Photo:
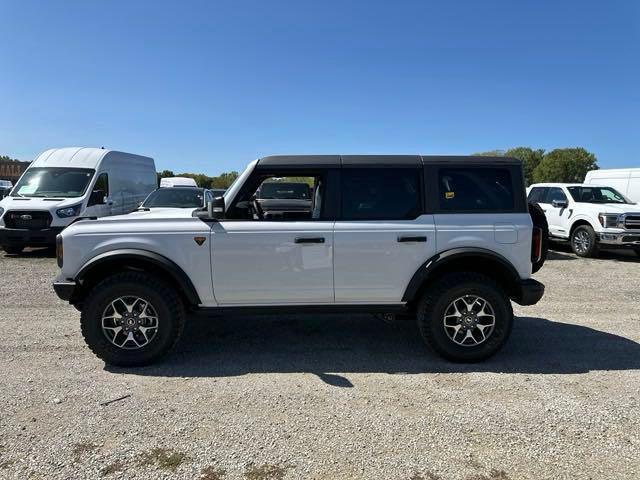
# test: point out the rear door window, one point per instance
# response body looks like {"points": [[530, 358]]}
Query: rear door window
{"points": [[381, 193], [464, 189], [536, 195]]}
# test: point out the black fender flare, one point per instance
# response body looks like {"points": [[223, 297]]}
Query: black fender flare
{"points": [[441, 259], [159, 261]]}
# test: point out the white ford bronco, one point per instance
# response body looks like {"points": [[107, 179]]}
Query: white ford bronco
{"points": [[447, 239], [590, 217]]}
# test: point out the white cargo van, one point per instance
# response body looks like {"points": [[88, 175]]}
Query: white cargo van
{"points": [[63, 184], [624, 180], [177, 182]]}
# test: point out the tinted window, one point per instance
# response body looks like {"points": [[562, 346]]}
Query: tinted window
{"points": [[536, 194], [380, 193], [179, 197], [555, 193], [475, 189], [102, 183]]}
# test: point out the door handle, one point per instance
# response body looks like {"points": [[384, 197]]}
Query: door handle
{"points": [[412, 239], [309, 240]]}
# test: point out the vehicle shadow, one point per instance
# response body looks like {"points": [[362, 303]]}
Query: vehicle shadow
{"points": [[32, 253], [559, 251], [231, 346]]}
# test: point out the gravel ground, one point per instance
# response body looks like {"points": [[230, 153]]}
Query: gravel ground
{"points": [[340, 397]]}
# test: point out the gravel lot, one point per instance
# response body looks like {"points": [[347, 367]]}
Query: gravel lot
{"points": [[341, 397]]}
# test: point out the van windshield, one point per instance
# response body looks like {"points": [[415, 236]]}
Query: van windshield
{"points": [[53, 182]]}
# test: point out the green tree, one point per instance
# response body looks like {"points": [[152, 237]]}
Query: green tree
{"points": [[530, 160], [565, 165]]}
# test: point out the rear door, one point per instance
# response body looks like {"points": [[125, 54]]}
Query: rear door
{"points": [[383, 234]]}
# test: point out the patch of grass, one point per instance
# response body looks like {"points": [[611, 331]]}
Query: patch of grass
{"points": [[266, 472], [82, 448], [113, 467], [164, 458], [211, 473]]}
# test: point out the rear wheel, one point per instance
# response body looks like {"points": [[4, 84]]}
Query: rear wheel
{"points": [[465, 317], [13, 249], [584, 241], [131, 319]]}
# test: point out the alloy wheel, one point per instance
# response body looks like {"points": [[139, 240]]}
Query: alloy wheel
{"points": [[130, 322], [469, 320]]}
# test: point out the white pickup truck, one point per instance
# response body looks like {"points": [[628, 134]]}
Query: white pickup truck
{"points": [[590, 217]]}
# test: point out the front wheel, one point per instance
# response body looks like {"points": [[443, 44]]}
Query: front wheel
{"points": [[131, 319], [584, 241], [465, 317]]}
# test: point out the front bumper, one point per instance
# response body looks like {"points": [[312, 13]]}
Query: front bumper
{"points": [[619, 240], [529, 292], [29, 238]]}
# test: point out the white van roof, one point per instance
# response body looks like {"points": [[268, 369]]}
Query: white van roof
{"points": [[178, 182], [77, 157]]}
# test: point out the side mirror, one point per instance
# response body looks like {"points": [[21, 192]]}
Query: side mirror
{"points": [[97, 197], [215, 208], [560, 203]]}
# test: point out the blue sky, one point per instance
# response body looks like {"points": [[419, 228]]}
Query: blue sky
{"points": [[208, 86]]}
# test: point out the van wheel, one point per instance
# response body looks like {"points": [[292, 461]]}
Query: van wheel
{"points": [[13, 249], [131, 319], [465, 317], [584, 241]]}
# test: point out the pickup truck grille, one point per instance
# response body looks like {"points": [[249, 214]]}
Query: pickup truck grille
{"points": [[35, 220], [632, 222]]}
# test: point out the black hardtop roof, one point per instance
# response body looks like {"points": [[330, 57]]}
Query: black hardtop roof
{"points": [[380, 160]]}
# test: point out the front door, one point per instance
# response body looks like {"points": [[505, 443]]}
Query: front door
{"points": [[265, 259], [557, 217], [383, 236], [100, 203]]}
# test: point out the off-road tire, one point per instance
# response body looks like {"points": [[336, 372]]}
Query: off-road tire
{"points": [[164, 299], [437, 298], [592, 250], [539, 220], [13, 249]]}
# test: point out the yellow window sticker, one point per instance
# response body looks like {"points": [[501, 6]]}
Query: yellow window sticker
{"points": [[449, 195]]}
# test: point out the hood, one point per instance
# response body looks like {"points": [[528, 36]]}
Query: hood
{"points": [[37, 203]]}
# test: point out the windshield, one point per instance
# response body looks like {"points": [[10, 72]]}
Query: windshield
{"points": [[596, 195], [299, 191], [179, 197], [53, 182]]}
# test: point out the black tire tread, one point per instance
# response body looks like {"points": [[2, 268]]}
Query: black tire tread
{"points": [[173, 303], [429, 299]]}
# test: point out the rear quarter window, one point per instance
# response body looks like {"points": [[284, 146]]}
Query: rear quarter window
{"points": [[466, 189]]}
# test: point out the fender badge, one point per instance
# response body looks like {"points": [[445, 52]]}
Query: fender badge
{"points": [[200, 240]]}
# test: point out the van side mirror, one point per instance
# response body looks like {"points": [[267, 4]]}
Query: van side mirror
{"points": [[559, 203], [97, 197]]}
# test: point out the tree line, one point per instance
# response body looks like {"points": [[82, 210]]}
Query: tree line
{"points": [[565, 165]]}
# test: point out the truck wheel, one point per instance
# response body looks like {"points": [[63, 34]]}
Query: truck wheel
{"points": [[13, 249], [584, 241], [465, 317], [131, 319], [539, 220]]}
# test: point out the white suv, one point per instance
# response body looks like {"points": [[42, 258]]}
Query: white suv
{"points": [[589, 216], [449, 239]]}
